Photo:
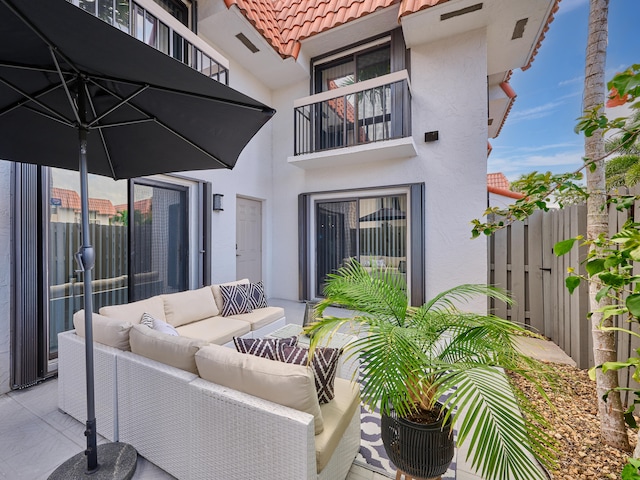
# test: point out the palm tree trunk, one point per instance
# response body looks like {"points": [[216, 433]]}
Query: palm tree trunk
{"points": [[612, 423]]}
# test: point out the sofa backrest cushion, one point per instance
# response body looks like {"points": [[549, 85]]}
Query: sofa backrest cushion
{"points": [[108, 331], [132, 312], [289, 385], [172, 350], [186, 307], [217, 294]]}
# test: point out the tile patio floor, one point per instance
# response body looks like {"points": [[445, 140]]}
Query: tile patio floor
{"points": [[35, 437]]}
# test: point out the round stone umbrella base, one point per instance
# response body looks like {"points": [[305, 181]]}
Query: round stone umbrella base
{"points": [[116, 461]]}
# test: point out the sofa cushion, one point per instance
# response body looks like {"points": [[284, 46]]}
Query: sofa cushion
{"points": [[324, 365], [337, 415], [260, 317], [108, 331], [218, 330], [256, 295], [189, 306], [132, 312], [216, 291], [172, 350], [288, 385], [235, 299], [263, 347]]}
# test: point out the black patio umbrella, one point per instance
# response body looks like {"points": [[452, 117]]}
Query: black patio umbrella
{"points": [[79, 94]]}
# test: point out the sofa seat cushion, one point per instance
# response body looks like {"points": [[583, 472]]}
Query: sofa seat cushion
{"points": [[289, 385], [171, 350], [185, 307], [132, 312], [260, 316], [108, 331], [218, 330], [337, 415]]}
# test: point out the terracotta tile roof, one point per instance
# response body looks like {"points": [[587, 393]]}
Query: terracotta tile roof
{"points": [[284, 23], [545, 29], [497, 180], [497, 183], [510, 92], [71, 200]]}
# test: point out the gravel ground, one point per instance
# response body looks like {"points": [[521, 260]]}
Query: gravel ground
{"points": [[575, 425]]}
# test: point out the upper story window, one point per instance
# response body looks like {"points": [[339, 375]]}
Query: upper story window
{"points": [[177, 9], [355, 67]]}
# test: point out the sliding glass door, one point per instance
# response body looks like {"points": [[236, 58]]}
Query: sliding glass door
{"points": [[372, 230], [160, 239]]}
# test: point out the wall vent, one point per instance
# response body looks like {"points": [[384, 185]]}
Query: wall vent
{"points": [[490, 122], [462, 11], [247, 43], [518, 30]]}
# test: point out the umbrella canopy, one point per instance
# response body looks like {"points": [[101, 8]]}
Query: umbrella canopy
{"points": [[147, 112], [77, 93]]}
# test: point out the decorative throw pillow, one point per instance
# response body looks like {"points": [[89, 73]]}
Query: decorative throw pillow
{"points": [[235, 299], [257, 298], [263, 347], [164, 327], [158, 325], [324, 366], [147, 320]]}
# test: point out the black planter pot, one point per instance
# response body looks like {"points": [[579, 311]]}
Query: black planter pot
{"points": [[422, 451]]}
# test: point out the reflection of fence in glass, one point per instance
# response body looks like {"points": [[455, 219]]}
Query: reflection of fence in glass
{"points": [[66, 288]]}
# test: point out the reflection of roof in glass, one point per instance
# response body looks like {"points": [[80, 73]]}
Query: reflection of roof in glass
{"points": [[71, 200], [384, 214]]}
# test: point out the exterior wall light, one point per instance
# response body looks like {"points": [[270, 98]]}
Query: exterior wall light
{"points": [[217, 202]]}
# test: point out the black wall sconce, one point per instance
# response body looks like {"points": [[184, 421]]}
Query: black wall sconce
{"points": [[431, 136], [217, 202]]}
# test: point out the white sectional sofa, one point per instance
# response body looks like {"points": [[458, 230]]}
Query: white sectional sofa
{"points": [[200, 410]]}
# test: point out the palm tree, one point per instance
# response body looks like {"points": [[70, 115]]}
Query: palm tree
{"points": [[411, 356], [623, 170], [610, 411]]}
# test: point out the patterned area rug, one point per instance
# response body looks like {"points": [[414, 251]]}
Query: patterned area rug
{"points": [[372, 455]]}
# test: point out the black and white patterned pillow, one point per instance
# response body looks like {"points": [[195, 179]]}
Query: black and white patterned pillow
{"points": [[324, 366], [256, 295], [147, 320], [235, 299], [263, 347]]}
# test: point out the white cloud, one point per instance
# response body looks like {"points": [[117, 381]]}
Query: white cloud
{"points": [[517, 164], [533, 113], [568, 5]]}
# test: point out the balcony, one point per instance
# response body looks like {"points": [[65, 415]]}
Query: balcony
{"points": [[361, 122], [151, 24]]}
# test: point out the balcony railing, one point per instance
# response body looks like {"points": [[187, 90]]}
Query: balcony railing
{"points": [[150, 23], [364, 112]]}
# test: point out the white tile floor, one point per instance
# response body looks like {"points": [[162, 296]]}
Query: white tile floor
{"points": [[35, 437]]}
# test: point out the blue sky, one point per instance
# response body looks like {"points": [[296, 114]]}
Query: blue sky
{"points": [[538, 134]]}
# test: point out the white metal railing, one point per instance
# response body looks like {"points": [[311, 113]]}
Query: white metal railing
{"points": [[150, 23]]}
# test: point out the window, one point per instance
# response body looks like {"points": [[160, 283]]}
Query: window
{"points": [[382, 229]]}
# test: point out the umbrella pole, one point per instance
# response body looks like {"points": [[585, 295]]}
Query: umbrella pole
{"points": [[86, 259]]}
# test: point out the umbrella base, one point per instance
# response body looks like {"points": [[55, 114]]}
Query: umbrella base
{"points": [[117, 461]]}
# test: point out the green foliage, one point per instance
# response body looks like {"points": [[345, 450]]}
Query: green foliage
{"points": [[630, 470], [413, 355]]}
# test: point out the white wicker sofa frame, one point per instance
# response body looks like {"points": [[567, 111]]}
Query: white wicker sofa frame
{"points": [[194, 428]]}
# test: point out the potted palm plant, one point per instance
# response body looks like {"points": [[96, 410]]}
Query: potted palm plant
{"points": [[437, 361]]}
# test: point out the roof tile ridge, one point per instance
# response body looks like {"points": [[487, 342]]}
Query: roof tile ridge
{"points": [[545, 29]]}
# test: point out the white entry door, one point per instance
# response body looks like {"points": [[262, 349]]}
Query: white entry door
{"points": [[249, 239]]}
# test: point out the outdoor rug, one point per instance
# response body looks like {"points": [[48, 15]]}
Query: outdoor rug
{"points": [[372, 455]]}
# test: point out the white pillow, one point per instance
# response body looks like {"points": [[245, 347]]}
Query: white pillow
{"points": [[164, 327]]}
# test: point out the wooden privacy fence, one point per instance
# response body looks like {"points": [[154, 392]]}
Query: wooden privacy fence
{"points": [[521, 260]]}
